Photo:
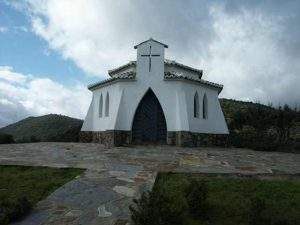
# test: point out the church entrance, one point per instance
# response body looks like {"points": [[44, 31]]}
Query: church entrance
{"points": [[149, 124]]}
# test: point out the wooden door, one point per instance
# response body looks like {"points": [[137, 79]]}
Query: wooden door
{"points": [[149, 124]]}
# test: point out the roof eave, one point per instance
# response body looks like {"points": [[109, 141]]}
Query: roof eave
{"points": [[110, 81], [174, 63], [114, 71], [219, 87]]}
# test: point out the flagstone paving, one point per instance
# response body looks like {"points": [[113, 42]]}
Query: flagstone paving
{"points": [[115, 176]]}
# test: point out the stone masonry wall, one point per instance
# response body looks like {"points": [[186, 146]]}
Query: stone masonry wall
{"points": [[112, 138], [190, 139], [109, 138]]}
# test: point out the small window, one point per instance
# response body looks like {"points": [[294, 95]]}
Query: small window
{"points": [[196, 105], [204, 113], [100, 105], [107, 105]]}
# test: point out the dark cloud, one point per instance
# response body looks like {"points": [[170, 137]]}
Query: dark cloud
{"points": [[252, 47], [11, 112]]}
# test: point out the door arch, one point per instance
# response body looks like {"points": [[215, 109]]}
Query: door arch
{"points": [[149, 123]]}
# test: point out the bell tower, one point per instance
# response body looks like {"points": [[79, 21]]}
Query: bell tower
{"points": [[150, 58]]}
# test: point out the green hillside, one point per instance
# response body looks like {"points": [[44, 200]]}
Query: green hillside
{"points": [[50, 127], [231, 106], [261, 127], [251, 125]]}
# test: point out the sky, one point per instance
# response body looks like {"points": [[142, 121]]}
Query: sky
{"points": [[50, 50]]}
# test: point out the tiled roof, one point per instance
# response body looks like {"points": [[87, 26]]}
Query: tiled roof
{"points": [[113, 71], [167, 75], [173, 62], [167, 62], [122, 76], [177, 76]]}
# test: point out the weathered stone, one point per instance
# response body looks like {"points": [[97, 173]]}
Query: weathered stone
{"points": [[102, 211], [109, 138], [121, 222], [123, 190], [179, 138], [191, 139], [106, 180], [73, 213]]}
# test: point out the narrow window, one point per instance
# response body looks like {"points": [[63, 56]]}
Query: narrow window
{"points": [[107, 105], [100, 105], [196, 105], [204, 113]]}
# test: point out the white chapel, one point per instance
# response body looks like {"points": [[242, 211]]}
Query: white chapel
{"points": [[153, 100]]}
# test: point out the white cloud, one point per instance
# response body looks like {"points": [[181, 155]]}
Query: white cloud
{"points": [[78, 33], [100, 35], [248, 59], [3, 29], [251, 47], [4, 101], [22, 95], [7, 74]]}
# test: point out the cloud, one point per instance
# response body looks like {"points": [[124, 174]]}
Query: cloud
{"points": [[252, 47], [23, 95], [11, 112], [7, 74], [99, 35], [15, 29], [3, 29], [248, 59]]}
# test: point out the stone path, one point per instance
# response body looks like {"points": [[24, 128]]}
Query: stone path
{"points": [[115, 176]]}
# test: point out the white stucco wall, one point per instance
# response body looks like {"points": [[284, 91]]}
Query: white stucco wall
{"points": [[175, 97]]}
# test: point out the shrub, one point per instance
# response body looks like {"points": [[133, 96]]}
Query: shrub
{"points": [[13, 210], [155, 208], [6, 138], [257, 212], [197, 199], [34, 139], [141, 213], [182, 200], [3, 216], [161, 206]]}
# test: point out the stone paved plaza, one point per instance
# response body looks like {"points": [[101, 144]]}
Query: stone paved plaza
{"points": [[113, 177]]}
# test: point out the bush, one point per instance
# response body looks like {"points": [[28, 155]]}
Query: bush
{"points": [[3, 216], [14, 210], [188, 200], [161, 206], [170, 202], [257, 211], [34, 139], [197, 199], [30, 139], [261, 127], [156, 208], [6, 138]]}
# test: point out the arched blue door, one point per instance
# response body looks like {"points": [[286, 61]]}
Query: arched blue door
{"points": [[149, 124]]}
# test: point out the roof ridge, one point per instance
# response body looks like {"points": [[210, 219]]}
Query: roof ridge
{"points": [[151, 39]]}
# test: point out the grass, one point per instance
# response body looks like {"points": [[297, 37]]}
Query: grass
{"points": [[226, 201], [21, 187]]}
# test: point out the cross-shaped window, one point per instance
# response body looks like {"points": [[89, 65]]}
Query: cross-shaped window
{"points": [[150, 55]]}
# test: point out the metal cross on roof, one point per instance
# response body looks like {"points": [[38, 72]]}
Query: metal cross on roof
{"points": [[150, 55]]}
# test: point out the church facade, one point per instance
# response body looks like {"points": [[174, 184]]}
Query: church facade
{"points": [[154, 100]]}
